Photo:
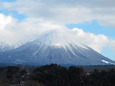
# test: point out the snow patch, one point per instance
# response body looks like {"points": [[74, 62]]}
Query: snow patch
{"points": [[107, 62], [58, 45], [18, 60]]}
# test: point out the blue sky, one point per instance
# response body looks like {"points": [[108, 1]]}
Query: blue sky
{"points": [[15, 14], [7, 0], [92, 17], [96, 28]]}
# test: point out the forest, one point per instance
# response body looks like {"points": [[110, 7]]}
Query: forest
{"points": [[56, 75]]}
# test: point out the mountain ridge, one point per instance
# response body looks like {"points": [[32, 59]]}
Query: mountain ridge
{"points": [[55, 46]]}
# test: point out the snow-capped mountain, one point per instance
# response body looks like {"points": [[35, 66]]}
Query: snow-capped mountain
{"points": [[4, 47], [55, 46]]}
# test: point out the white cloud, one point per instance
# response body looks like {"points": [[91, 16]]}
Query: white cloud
{"points": [[97, 42], [67, 11], [15, 32], [112, 45], [4, 20]]}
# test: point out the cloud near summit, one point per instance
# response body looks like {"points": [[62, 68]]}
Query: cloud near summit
{"points": [[13, 32]]}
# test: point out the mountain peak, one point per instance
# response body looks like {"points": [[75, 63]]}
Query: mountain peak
{"points": [[59, 38], [59, 46]]}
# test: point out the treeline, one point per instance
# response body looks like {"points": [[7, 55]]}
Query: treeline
{"points": [[55, 75]]}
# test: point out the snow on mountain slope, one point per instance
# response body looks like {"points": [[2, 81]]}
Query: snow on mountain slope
{"points": [[4, 47], [59, 46]]}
